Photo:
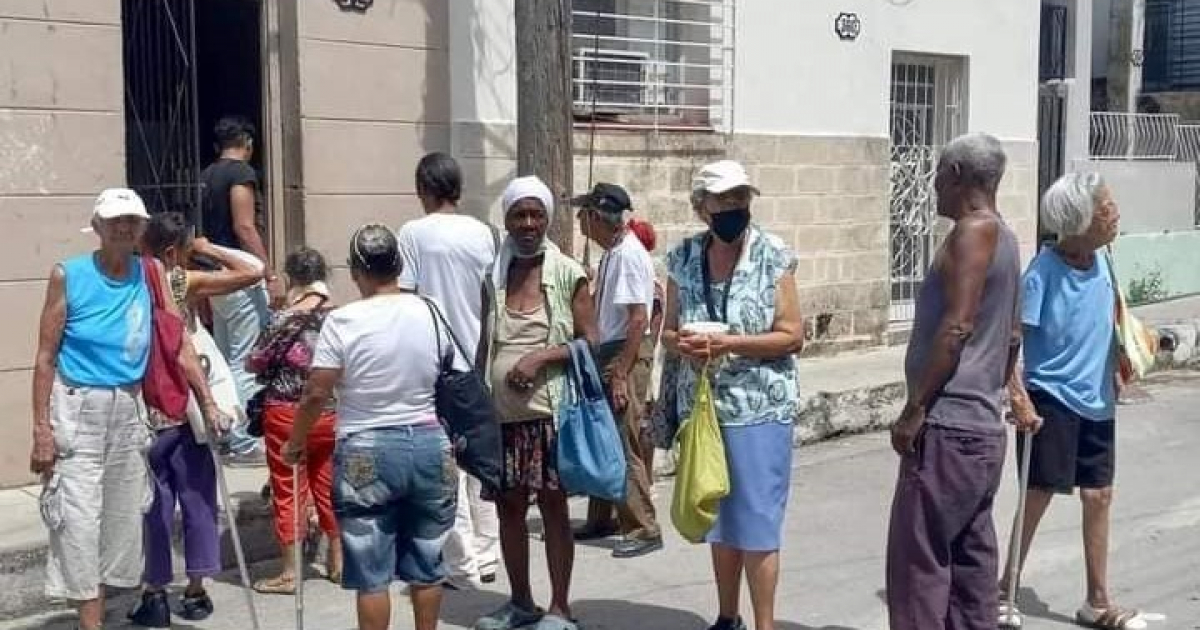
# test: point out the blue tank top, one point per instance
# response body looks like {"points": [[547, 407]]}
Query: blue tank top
{"points": [[106, 341]]}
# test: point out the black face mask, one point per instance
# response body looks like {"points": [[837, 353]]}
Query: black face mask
{"points": [[730, 224]]}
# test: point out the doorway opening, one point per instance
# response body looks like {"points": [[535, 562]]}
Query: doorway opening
{"points": [[187, 64]]}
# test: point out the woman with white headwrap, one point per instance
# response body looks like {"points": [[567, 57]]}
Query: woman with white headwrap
{"points": [[542, 304]]}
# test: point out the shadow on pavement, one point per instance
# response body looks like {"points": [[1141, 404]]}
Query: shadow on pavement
{"points": [[788, 625], [1031, 605], [611, 614]]}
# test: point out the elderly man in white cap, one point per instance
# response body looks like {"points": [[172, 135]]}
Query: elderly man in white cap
{"points": [[542, 304], [90, 426], [732, 300]]}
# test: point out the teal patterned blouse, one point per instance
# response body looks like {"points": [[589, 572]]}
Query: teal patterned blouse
{"points": [[746, 391]]}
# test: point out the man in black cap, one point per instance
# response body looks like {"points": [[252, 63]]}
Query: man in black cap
{"points": [[624, 296]]}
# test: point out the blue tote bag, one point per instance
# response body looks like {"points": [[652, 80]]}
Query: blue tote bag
{"points": [[591, 456]]}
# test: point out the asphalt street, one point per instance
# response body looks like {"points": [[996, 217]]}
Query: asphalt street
{"points": [[833, 557]]}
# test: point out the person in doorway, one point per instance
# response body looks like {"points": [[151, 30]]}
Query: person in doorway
{"points": [[541, 305], [281, 359], [447, 256], [624, 297], [736, 274], [231, 216], [941, 552], [90, 424], [395, 482], [1067, 397], [183, 467]]}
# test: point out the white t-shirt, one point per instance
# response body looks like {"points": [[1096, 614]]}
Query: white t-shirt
{"points": [[387, 350], [446, 257], [625, 277]]}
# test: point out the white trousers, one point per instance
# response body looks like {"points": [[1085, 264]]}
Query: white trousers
{"points": [[472, 549], [94, 501]]}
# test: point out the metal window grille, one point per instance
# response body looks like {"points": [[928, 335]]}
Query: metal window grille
{"points": [[653, 63], [928, 95], [1126, 136], [162, 135]]}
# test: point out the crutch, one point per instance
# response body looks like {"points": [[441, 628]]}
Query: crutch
{"points": [[301, 509], [231, 517], [1011, 619]]}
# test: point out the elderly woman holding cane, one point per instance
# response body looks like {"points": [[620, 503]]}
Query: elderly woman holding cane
{"points": [[181, 464], [1067, 388], [395, 482], [91, 428], [738, 282]]}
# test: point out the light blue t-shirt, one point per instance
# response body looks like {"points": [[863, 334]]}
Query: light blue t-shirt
{"points": [[106, 341], [1070, 340]]}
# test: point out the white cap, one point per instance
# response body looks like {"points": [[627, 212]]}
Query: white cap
{"points": [[722, 176], [119, 202]]}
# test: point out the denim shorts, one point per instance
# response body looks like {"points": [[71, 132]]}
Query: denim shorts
{"points": [[394, 493]]}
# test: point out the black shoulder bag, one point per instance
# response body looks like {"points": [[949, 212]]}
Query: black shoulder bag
{"points": [[464, 406]]}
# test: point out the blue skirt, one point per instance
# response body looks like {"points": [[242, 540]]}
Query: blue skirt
{"points": [[760, 475]]}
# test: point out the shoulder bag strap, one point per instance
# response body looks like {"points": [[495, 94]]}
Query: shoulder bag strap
{"points": [[590, 385], [293, 334], [150, 274], [445, 360]]}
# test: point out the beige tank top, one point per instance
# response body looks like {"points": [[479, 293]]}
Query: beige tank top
{"points": [[518, 334]]}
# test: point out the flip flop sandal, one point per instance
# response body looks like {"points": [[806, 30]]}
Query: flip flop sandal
{"points": [[554, 622], [1009, 617], [1111, 618], [276, 586]]}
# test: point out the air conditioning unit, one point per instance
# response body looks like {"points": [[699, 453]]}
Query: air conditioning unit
{"points": [[617, 81]]}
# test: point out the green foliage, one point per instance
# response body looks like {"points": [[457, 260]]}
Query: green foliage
{"points": [[1147, 288]]}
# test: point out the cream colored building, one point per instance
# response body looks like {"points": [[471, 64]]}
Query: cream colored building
{"points": [[839, 131]]}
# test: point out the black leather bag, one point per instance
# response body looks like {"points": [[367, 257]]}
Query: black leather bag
{"points": [[464, 406]]}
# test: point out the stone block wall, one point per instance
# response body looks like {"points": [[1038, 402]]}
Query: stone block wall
{"points": [[62, 137], [825, 196]]}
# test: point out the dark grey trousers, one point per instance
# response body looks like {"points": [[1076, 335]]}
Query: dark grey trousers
{"points": [[942, 555]]}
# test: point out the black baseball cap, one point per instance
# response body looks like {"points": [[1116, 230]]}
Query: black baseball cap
{"points": [[606, 198]]}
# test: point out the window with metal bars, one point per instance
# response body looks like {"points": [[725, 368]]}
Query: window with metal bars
{"points": [[653, 63]]}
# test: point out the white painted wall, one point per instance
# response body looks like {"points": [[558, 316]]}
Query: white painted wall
{"points": [[795, 76], [483, 61]]}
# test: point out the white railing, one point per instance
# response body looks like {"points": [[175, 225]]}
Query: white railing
{"points": [[1189, 151], [1124, 136], [653, 63]]}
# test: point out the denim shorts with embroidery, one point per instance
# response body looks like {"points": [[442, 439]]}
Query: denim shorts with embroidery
{"points": [[394, 494]]}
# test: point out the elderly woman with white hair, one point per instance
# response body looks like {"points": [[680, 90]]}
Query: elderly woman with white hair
{"points": [[1067, 397], [541, 304]]}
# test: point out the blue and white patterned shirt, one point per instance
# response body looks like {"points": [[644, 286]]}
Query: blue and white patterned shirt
{"points": [[747, 391]]}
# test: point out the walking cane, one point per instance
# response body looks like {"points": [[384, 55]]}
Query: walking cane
{"points": [[301, 510], [231, 517], [1011, 619]]}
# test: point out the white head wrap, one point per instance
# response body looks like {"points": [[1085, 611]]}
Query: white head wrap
{"points": [[525, 187], [520, 188]]}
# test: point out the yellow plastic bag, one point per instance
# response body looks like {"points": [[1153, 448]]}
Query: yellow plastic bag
{"points": [[1136, 343], [701, 473]]}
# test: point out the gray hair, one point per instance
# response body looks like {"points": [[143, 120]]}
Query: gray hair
{"points": [[977, 159], [1069, 203]]}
